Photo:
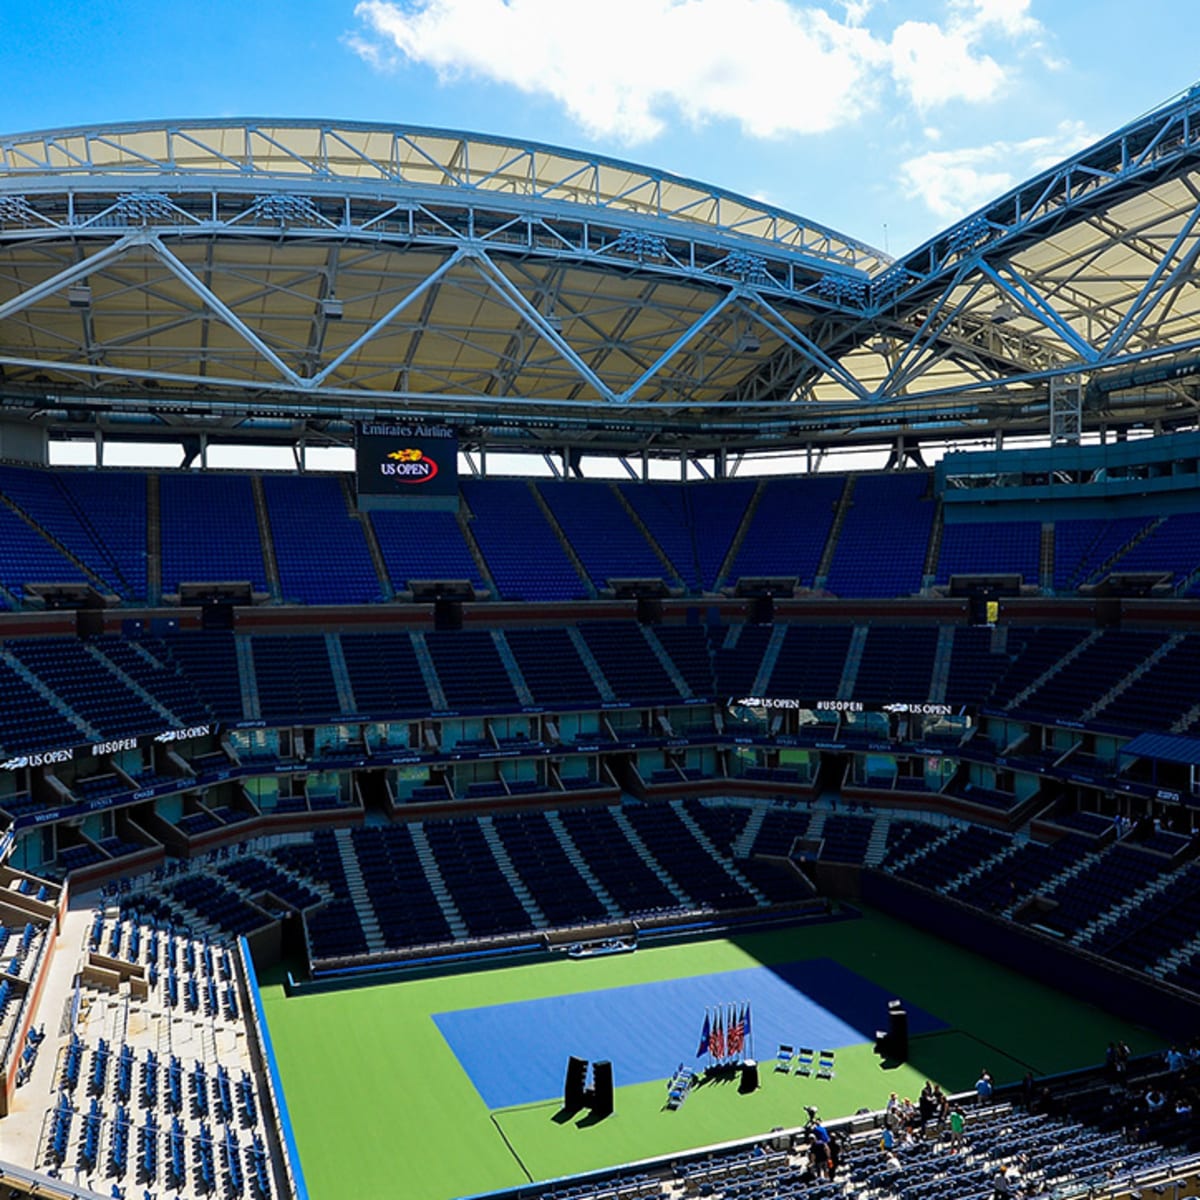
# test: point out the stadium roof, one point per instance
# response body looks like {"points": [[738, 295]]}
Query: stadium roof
{"points": [[206, 273]]}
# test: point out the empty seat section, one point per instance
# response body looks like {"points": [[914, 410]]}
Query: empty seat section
{"points": [[398, 887], [1173, 547], [984, 547], [678, 851], [147, 664], [628, 663], [27, 557], [89, 687], [552, 668], [471, 671], [693, 523], [483, 896], [974, 666], [99, 518], [208, 660], [789, 529], [635, 887], [1090, 674], [811, 662], [601, 532], [522, 551], [209, 531], [295, 678], [1162, 694], [689, 650], [423, 545], [1034, 653], [884, 539], [539, 858], [896, 665], [737, 665], [1083, 547], [385, 675], [28, 721], [320, 548]]}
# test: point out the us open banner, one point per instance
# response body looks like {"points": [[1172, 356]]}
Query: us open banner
{"points": [[402, 466]]}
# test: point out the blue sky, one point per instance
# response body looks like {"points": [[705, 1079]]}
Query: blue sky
{"points": [[861, 114]]}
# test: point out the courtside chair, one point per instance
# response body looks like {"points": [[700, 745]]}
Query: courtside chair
{"points": [[825, 1065], [783, 1058], [804, 1060]]}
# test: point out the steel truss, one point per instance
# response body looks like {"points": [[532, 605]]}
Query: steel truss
{"points": [[328, 272]]}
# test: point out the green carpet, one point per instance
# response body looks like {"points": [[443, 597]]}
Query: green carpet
{"points": [[377, 1099]]}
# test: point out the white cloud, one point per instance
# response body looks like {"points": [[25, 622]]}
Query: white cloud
{"points": [[935, 65], [624, 68], [951, 183]]}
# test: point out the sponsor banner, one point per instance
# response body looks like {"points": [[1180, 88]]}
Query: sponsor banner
{"points": [[406, 466], [66, 754]]}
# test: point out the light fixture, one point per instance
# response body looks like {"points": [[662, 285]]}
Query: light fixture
{"points": [[748, 343], [880, 346], [331, 308], [1003, 312], [79, 295], [554, 321]]}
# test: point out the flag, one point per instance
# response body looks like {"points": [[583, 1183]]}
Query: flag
{"points": [[705, 1038], [735, 1031], [717, 1041], [746, 1028]]}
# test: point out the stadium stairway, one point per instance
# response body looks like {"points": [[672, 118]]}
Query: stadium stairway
{"points": [[52, 698], [743, 846], [959, 882], [1127, 681], [854, 657], [519, 886], [844, 504], [565, 542], [816, 824], [356, 889], [762, 681], [939, 678], [247, 678], [465, 516], [132, 684], [153, 540], [433, 685], [266, 541], [901, 864], [669, 572], [588, 659], [642, 851], [1059, 882], [877, 843], [735, 545], [715, 853], [667, 662], [373, 549], [1046, 559], [1065, 661], [437, 885], [580, 864], [341, 674], [1135, 899], [1142, 534], [515, 677]]}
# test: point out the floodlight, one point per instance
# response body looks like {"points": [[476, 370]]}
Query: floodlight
{"points": [[331, 309], [79, 295], [1004, 311], [748, 343]]}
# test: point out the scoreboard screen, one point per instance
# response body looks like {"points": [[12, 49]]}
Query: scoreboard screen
{"points": [[400, 466]]}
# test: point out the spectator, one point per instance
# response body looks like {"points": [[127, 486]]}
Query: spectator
{"points": [[983, 1087], [958, 1124]]}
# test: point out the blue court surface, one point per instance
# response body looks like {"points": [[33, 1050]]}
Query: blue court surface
{"points": [[517, 1053]]}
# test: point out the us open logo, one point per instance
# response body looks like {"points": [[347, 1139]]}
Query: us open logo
{"points": [[409, 466]]}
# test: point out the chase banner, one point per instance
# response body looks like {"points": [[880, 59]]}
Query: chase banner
{"points": [[403, 466]]}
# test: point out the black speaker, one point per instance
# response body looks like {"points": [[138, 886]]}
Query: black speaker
{"points": [[447, 614], [573, 1089], [898, 1031], [602, 1088]]}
